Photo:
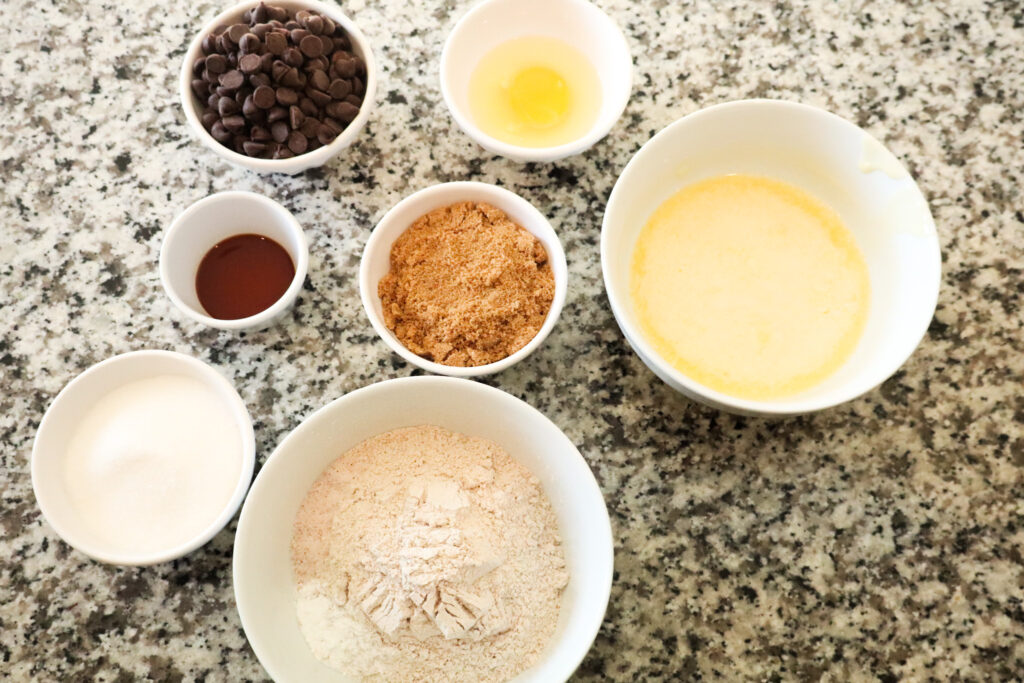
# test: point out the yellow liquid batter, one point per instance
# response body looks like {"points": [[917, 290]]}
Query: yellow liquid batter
{"points": [[535, 92], [750, 286]]}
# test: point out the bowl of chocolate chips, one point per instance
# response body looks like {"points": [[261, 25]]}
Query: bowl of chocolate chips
{"points": [[278, 88]]}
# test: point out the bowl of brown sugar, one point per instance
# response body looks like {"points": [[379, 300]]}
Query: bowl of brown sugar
{"points": [[463, 279]]}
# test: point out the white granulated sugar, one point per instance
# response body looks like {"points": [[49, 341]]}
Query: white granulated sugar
{"points": [[426, 555]]}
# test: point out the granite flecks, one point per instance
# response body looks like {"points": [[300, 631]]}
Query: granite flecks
{"points": [[880, 540]]}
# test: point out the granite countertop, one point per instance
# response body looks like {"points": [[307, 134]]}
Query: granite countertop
{"points": [[879, 540]]}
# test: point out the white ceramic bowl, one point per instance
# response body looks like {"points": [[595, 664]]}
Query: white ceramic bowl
{"points": [[213, 219], [376, 263], [577, 22], [264, 585], [833, 160], [318, 157], [72, 405]]}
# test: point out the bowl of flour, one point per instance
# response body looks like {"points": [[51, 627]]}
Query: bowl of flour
{"points": [[423, 529]]}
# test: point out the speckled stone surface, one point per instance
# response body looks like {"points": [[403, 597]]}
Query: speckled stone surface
{"points": [[880, 540]]}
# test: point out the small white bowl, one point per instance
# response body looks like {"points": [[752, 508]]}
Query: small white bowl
{"points": [[213, 219], [376, 263], [72, 405], [576, 22], [264, 584], [318, 157], [833, 160]]}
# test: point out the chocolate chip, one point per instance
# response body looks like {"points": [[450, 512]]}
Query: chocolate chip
{"points": [[321, 99], [201, 88], [266, 60], [232, 79], [260, 134], [302, 16], [346, 111], [210, 44], [315, 24], [287, 97], [209, 118], [309, 127], [234, 123], [355, 100], [219, 132], [256, 80], [279, 131], [325, 134], [213, 100], [360, 64], [339, 89], [216, 64], [261, 30], [344, 67], [227, 106], [296, 117], [327, 44], [236, 32], [249, 64], [334, 125], [311, 46], [283, 153], [254, 149], [199, 66], [249, 107], [297, 35], [319, 80], [278, 70], [276, 113], [308, 106], [292, 57], [276, 43], [297, 142], [260, 14], [264, 97], [358, 87], [277, 13], [249, 44], [328, 26]]}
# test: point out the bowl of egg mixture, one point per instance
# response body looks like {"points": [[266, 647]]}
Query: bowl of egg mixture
{"points": [[769, 258], [536, 80]]}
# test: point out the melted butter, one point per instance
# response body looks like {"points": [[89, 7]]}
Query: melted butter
{"points": [[750, 286], [535, 92]]}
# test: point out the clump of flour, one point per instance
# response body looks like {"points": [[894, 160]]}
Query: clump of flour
{"points": [[426, 555]]}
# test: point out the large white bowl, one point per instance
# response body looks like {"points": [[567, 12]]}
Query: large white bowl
{"points": [[376, 263], [833, 160], [72, 405], [264, 584], [318, 157], [579, 23]]}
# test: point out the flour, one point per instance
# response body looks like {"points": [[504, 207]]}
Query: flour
{"points": [[425, 555]]}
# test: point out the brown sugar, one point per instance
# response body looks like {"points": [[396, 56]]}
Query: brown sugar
{"points": [[467, 286]]}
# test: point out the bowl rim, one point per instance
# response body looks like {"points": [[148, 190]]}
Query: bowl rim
{"points": [[209, 376], [301, 162], [598, 130], [692, 388], [323, 413], [501, 197], [265, 316]]}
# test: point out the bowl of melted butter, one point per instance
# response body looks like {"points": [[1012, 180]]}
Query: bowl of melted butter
{"points": [[769, 258]]}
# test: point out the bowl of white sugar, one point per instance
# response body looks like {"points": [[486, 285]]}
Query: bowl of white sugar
{"points": [[143, 458], [423, 529]]}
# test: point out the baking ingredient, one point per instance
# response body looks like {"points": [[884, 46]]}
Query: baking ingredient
{"points": [[425, 555], [278, 84], [467, 286], [535, 91], [153, 464], [242, 276], [750, 286]]}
